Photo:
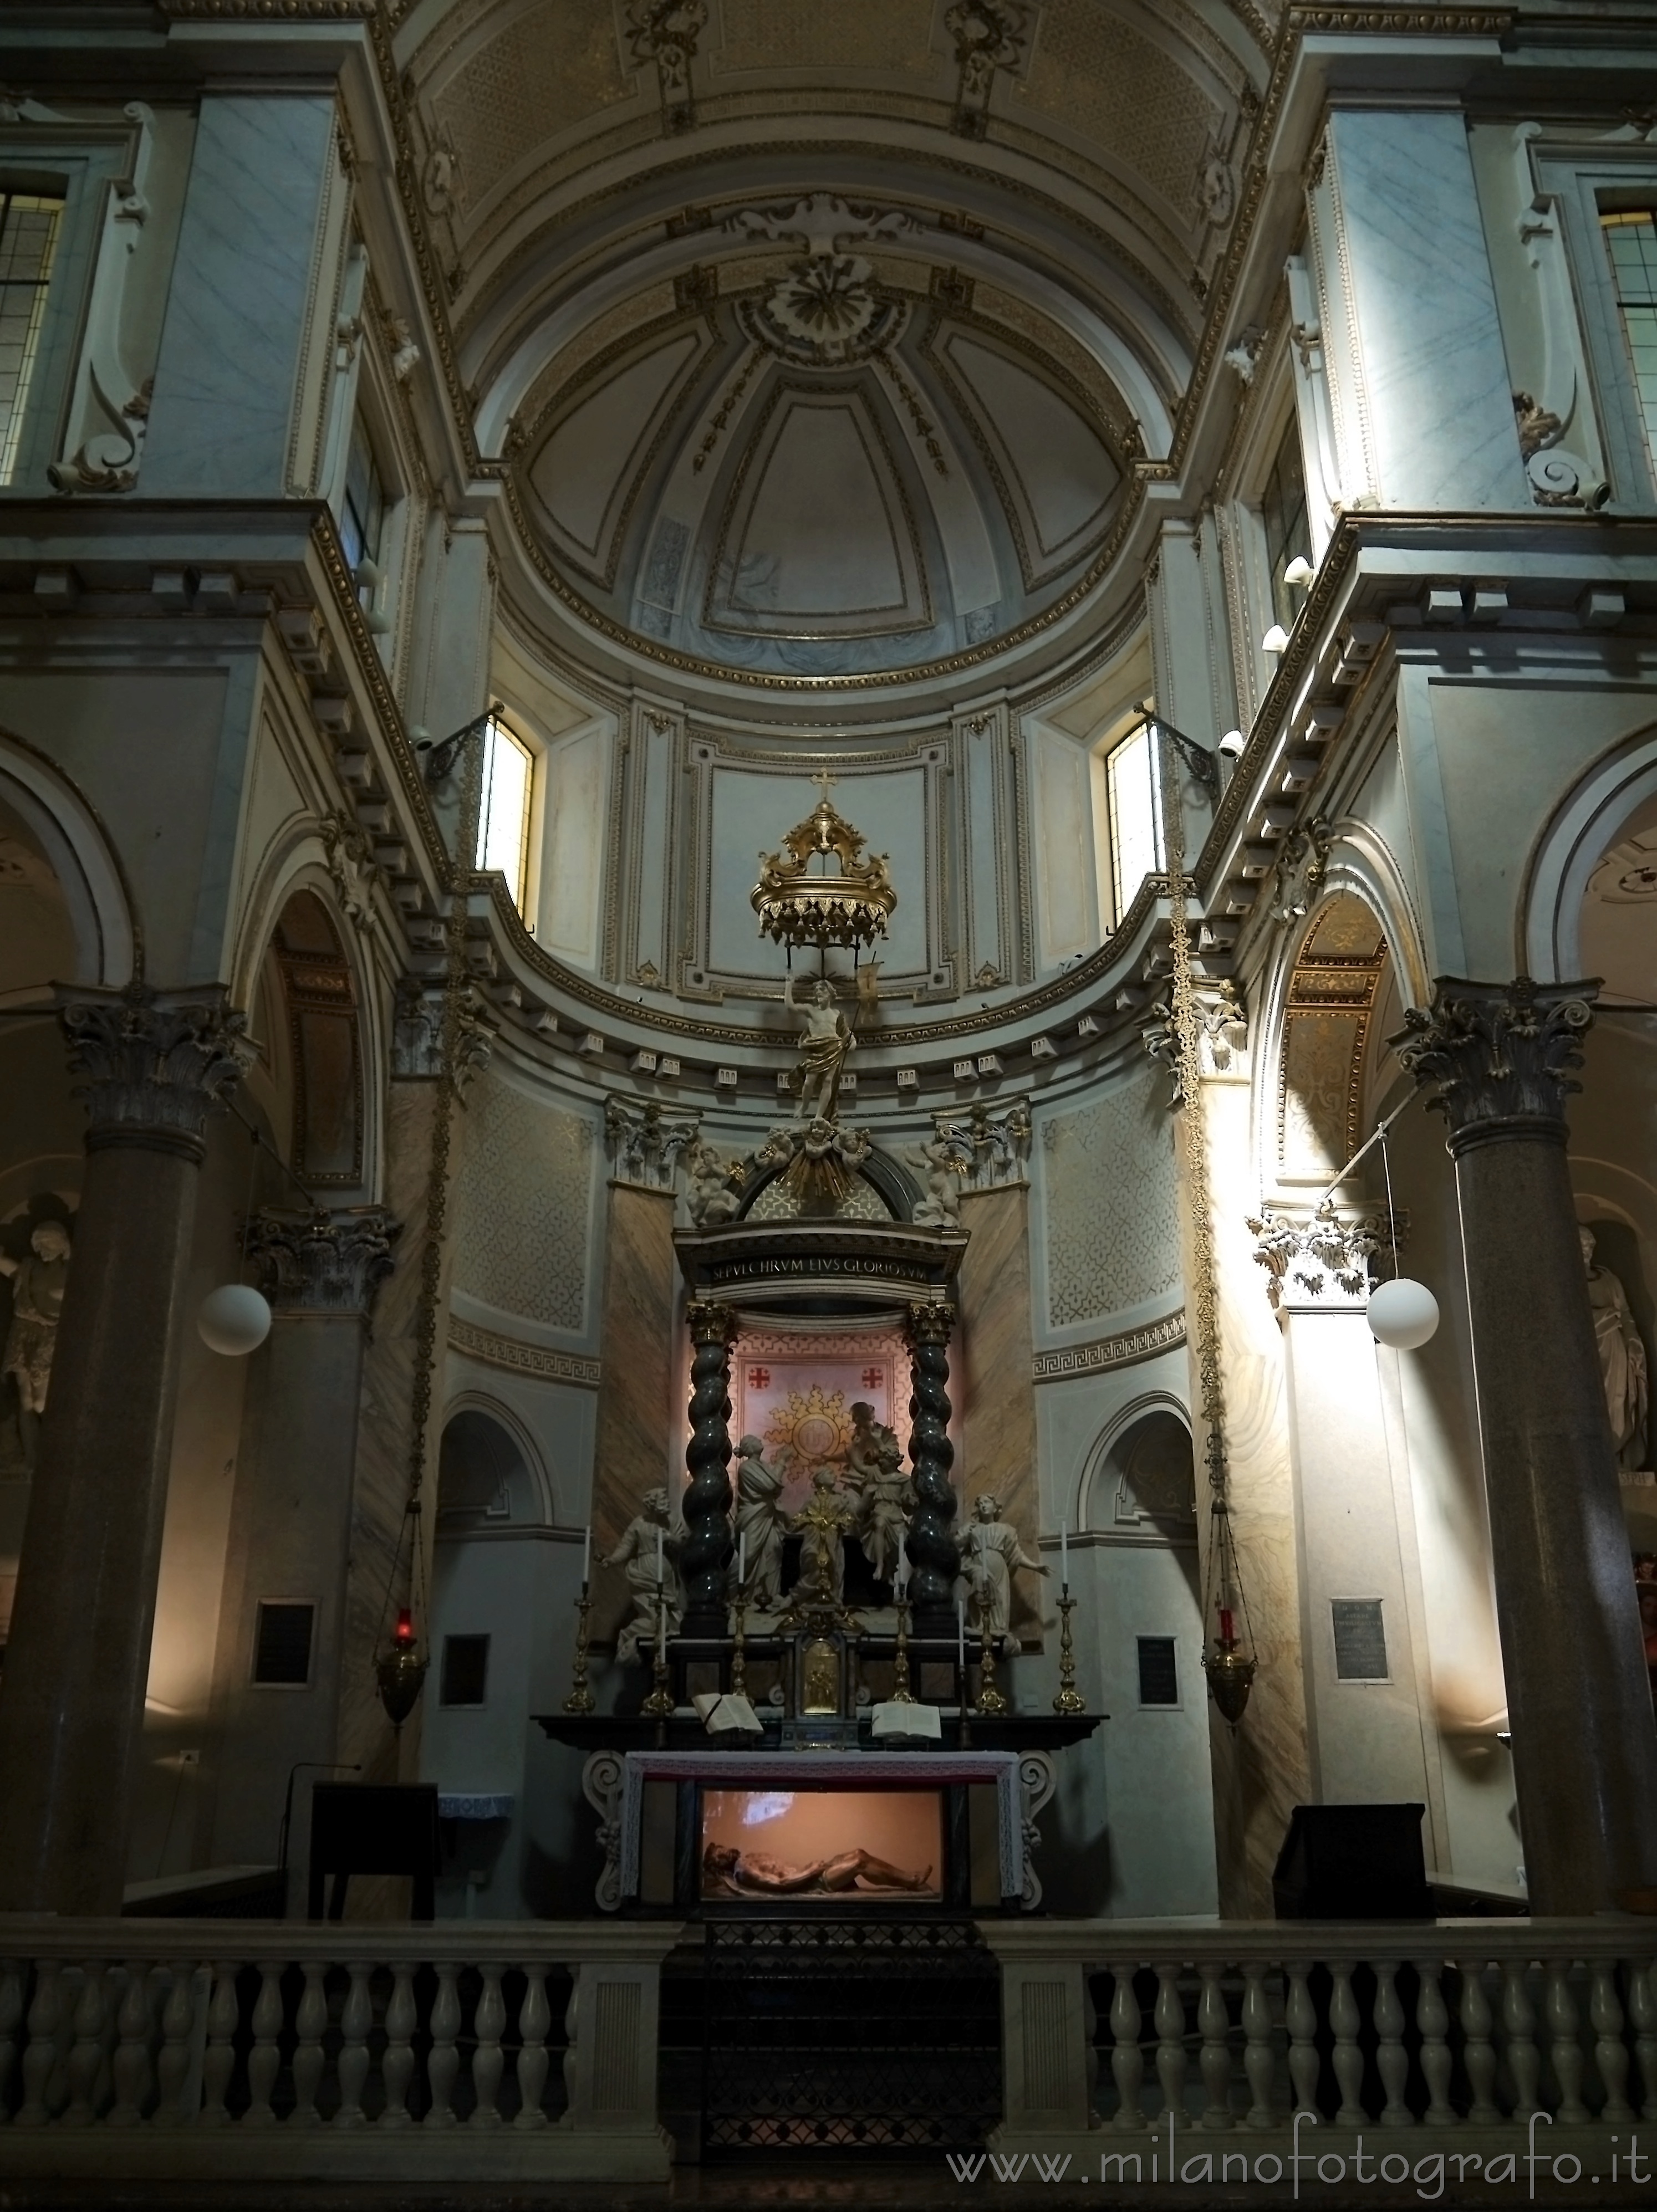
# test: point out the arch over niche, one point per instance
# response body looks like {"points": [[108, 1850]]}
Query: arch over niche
{"points": [[1579, 915], [1140, 1472], [486, 1459], [1334, 991], [310, 988], [53, 823]]}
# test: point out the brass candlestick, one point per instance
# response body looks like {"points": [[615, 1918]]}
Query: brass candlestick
{"points": [[660, 1703], [1069, 1698], [739, 1649], [990, 1700], [901, 1692], [580, 1700]]}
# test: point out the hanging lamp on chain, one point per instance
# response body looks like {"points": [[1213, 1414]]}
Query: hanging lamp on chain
{"points": [[400, 1664], [1229, 1662], [801, 904]]}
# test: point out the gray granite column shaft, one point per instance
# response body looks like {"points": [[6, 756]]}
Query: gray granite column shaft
{"points": [[1584, 1742], [71, 1700]]}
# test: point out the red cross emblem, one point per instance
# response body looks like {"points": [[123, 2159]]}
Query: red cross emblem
{"points": [[759, 1378], [873, 1377]]}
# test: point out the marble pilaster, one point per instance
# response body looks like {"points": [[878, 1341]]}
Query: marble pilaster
{"points": [[993, 1368], [638, 1422], [1501, 1060], [290, 1520], [71, 1704]]}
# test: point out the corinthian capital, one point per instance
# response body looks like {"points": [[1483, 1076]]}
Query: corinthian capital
{"points": [[1499, 1054], [157, 1063], [323, 1263], [1322, 1264]]}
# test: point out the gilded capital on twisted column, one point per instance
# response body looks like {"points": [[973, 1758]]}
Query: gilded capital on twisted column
{"points": [[1499, 1055], [930, 1324], [709, 1323], [157, 1063], [323, 1263]]}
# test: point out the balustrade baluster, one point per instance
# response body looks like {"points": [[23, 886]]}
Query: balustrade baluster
{"points": [[1642, 2010], [1610, 2051], [1259, 2059], [1564, 2045], [309, 2022], [397, 2066], [1214, 2060], [87, 2057], [1090, 2047], [46, 2016], [1519, 2028], [264, 2058], [1479, 2055], [133, 2079], [1301, 2016], [1391, 2060], [571, 2030], [355, 2022], [1127, 2059], [1170, 2019], [12, 1974], [1345, 2020], [444, 2060], [1433, 2020], [534, 2018], [178, 2024], [220, 2062], [488, 2059]]}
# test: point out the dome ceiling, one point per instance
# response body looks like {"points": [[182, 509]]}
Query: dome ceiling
{"points": [[827, 342], [840, 465]]}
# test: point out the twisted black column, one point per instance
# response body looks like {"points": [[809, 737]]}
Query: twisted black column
{"points": [[707, 1548], [933, 1555]]}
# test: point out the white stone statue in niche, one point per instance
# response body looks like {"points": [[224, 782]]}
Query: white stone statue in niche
{"points": [[989, 1554], [713, 1187], [828, 1041], [875, 1464], [759, 1523], [648, 1551], [1621, 1360], [37, 1299]]}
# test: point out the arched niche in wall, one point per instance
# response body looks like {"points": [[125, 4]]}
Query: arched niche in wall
{"points": [[307, 1017], [489, 1475], [1139, 1478]]}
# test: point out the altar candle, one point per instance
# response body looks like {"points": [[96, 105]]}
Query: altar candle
{"points": [[662, 1631], [661, 1571], [742, 1559], [587, 1556], [1065, 1557], [960, 1634]]}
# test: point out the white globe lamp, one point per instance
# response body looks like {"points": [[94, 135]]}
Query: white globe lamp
{"points": [[1403, 1313], [233, 1319]]}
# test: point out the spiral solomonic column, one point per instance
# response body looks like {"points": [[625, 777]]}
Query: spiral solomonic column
{"points": [[933, 1555], [707, 1550]]}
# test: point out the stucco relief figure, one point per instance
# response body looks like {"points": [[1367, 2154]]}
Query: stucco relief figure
{"points": [[37, 1300], [648, 1550], [990, 1555], [713, 1186], [828, 1040], [759, 1523], [725, 1867], [1621, 1360], [942, 1167], [874, 1463]]}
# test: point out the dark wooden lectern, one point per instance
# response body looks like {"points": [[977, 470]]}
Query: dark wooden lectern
{"points": [[1352, 1863], [373, 1828]]}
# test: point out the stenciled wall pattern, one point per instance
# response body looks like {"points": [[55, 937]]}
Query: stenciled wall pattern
{"points": [[524, 1201], [1111, 1217]]}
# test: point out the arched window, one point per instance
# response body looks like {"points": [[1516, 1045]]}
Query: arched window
{"points": [[1128, 806]]}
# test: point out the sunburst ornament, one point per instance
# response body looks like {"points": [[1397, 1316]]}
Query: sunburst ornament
{"points": [[812, 1426]]}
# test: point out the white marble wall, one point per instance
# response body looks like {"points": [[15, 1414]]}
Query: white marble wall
{"points": [[241, 310]]}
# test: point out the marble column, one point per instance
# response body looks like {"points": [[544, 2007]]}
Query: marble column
{"points": [[707, 1503], [1498, 1059], [290, 1520], [996, 1375], [933, 1552], [71, 1700]]}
